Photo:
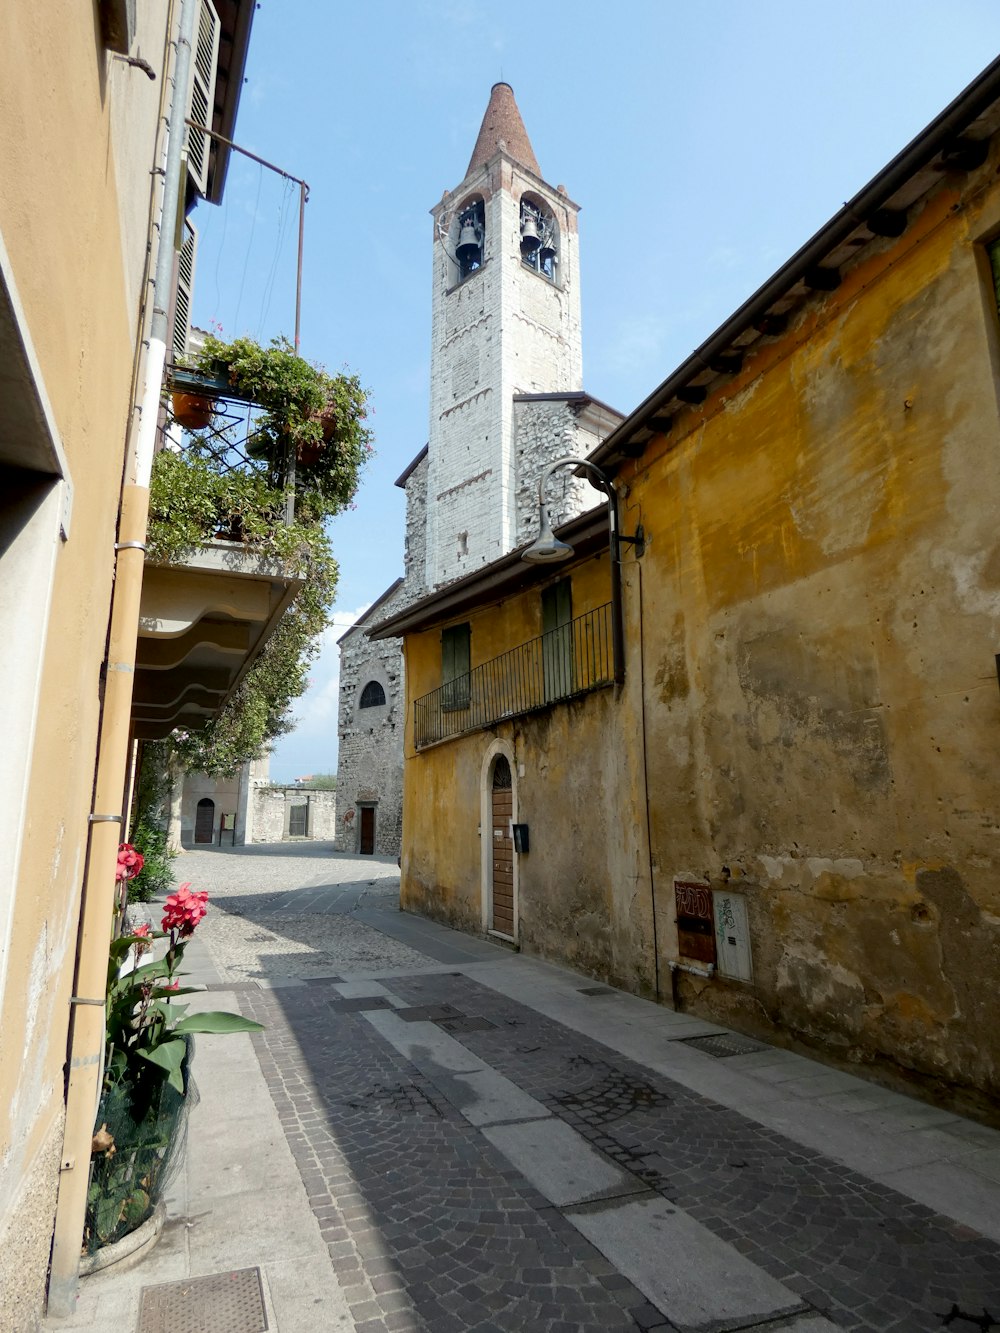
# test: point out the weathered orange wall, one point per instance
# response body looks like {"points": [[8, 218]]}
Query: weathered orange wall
{"points": [[821, 612]]}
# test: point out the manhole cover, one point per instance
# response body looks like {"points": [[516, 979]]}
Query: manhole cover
{"points": [[470, 1024], [721, 1044], [428, 1013], [359, 1003], [220, 1303]]}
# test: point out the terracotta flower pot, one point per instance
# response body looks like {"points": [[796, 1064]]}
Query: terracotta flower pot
{"points": [[192, 411]]}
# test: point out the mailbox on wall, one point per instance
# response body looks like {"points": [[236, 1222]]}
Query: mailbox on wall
{"points": [[520, 837]]}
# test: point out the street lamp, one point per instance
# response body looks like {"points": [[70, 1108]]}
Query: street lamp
{"points": [[548, 549]]}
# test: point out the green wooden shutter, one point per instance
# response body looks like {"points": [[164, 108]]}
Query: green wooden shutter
{"points": [[456, 661], [557, 639]]}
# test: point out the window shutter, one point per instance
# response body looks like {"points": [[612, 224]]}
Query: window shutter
{"points": [[557, 639], [184, 294], [456, 663], [557, 605], [204, 63]]}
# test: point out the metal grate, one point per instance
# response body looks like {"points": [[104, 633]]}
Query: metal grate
{"points": [[470, 1024], [568, 661], [722, 1044], [220, 1303], [428, 1013], [359, 1004], [596, 990]]}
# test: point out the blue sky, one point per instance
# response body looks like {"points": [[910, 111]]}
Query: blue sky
{"points": [[705, 143]]}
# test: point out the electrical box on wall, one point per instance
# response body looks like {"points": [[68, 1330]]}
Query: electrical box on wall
{"points": [[732, 935], [520, 837]]}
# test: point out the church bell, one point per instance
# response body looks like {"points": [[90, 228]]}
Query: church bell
{"points": [[468, 249], [530, 239]]}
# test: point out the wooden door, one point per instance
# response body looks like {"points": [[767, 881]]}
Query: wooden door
{"points": [[503, 849], [204, 821], [368, 830]]}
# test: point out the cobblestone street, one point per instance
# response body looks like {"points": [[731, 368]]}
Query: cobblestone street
{"points": [[486, 1142]]}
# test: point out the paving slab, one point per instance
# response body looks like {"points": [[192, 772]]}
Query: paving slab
{"points": [[485, 1097], [560, 1163], [430, 1050], [696, 1279]]}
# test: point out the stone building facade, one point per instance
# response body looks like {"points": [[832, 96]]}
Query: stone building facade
{"points": [[506, 399], [246, 807], [292, 814], [780, 814]]}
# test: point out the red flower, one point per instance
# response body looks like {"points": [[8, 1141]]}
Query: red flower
{"points": [[129, 862], [183, 910], [144, 932]]}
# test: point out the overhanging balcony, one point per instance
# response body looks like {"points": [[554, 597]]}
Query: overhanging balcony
{"points": [[201, 624], [563, 664]]}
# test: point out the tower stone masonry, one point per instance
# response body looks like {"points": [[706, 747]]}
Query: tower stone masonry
{"points": [[506, 399]]}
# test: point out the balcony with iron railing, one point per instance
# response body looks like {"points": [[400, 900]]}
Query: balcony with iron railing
{"points": [[562, 664]]}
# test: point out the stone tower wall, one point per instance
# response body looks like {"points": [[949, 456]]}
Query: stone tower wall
{"points": [[370, 764], [504, 330]]}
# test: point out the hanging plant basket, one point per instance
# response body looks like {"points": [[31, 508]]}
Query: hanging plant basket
{"points": [[193, 411]]}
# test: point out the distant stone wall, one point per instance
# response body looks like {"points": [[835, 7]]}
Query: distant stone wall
{"points": [[370, 763], [416, 536], [273, 814]]}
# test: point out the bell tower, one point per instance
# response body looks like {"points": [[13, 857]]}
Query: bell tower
{"points": [[505, 322]]}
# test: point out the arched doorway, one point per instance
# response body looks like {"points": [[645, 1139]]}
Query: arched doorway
{"points": [[502, 873], [204, 821]]}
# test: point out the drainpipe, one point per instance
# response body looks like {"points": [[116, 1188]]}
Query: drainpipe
{"points": [[86, 1031]]}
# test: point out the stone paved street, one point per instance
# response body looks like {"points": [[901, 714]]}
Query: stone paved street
{"points": [[481, 1141]]}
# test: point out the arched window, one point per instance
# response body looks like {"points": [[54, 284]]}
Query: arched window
{"points": [[373, 695], [539, 239], [468, 236]]}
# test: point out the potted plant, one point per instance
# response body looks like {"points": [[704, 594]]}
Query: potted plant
{"points": [[191, 410], [147, 1088], [304, 413]]}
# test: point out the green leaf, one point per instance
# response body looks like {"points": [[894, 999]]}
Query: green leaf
{"points": [[169, 1055], [218, 1021], [109, 1212]]}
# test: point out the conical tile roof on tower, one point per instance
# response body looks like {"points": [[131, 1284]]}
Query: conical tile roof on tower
{"points": [[503, 127]]}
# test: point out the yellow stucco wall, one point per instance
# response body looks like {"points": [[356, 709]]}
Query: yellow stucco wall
{"points": [[574, 764], [61, 219], [811, 704]]}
